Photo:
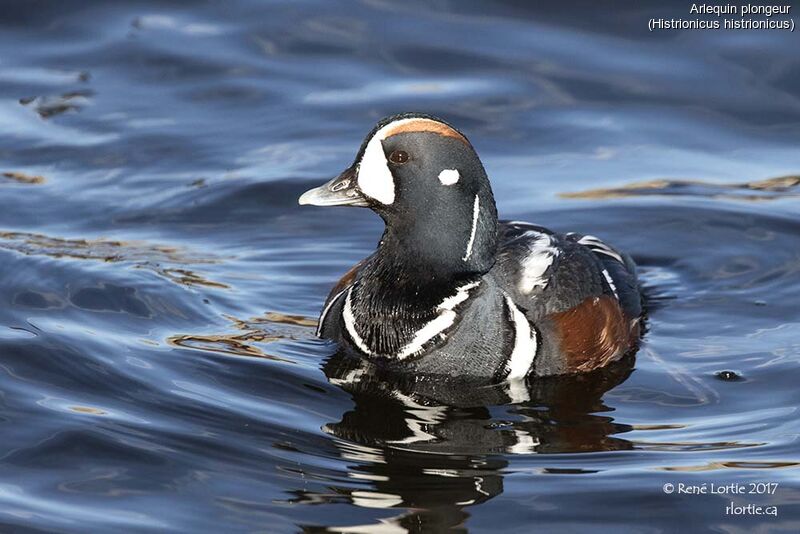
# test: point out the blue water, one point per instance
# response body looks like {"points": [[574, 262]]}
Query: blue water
{"points": [[159, 286]]}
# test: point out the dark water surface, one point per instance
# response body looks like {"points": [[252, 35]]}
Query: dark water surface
{"points": [[159, 285]]}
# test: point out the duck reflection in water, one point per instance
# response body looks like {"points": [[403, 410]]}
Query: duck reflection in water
{"points": [[436, 446]]}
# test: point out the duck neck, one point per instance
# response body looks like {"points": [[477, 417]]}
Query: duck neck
{"points": [[432, 243]]}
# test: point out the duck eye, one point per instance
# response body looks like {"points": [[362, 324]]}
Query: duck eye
{"points": [[398, 156]]}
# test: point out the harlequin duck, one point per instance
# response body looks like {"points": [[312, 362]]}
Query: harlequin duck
{"points": [[451, 290]]}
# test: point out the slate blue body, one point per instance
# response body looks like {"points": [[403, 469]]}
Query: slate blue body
{"points": [[442, 236]]}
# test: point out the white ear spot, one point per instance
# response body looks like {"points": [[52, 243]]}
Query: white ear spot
{"points": [[449, 176]]}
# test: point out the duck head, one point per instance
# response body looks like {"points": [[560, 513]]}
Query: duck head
{"points": [[425, 180]]}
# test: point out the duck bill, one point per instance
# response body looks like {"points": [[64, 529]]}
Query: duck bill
{"points": [[341, 191]]}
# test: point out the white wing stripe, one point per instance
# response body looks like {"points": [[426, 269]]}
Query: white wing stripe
{"points": [[609, 253], [611, 283], [598, 246], [541, 254]]}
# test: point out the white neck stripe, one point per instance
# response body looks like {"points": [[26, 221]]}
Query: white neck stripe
{"points": [[476, 208]]}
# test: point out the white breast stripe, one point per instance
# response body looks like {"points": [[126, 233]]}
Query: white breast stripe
{"points": [[433, 328], [462, 294], [541, 254], [326, 310], [611, 283], [525, 344], [598, 246], [442, 322], [449, 176], [476, 208], [350, 324]]}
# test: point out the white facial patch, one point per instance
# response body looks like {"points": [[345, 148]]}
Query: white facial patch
{"points": [[374, 177], [449, 176]]}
